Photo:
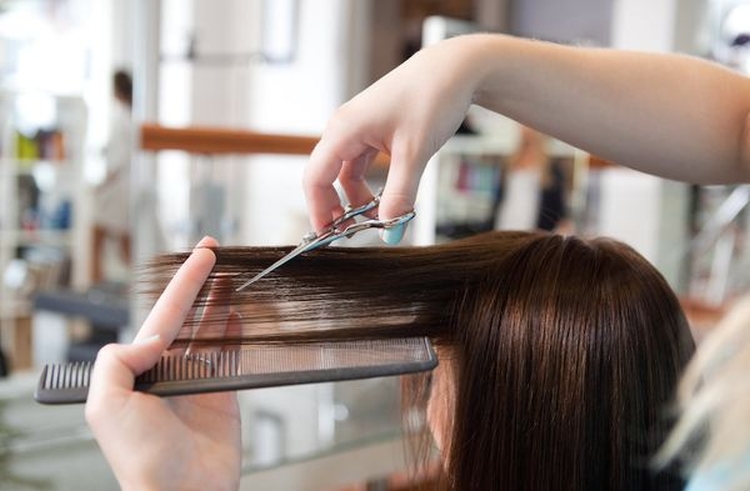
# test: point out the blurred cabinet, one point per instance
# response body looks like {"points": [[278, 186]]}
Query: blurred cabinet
{"points": [[48, 61], [470, 171], [42, 239], [462, 190]]}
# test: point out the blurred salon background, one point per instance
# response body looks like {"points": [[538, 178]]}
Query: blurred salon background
{"points": [[132, 127]]}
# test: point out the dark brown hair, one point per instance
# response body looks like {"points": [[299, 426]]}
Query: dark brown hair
{"points": [[566, 351], [123, 86]]}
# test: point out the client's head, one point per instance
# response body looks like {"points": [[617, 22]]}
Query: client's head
{"points": [[557, 370], [558, 355]]}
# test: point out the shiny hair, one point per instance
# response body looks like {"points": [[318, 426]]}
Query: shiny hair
{"points": [[565, 351], [712, 435]]}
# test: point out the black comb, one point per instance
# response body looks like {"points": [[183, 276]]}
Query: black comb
{"points": [[251, 366]]}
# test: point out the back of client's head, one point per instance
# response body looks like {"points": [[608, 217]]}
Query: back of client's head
{"points": [[558, 355], [566, 355]]}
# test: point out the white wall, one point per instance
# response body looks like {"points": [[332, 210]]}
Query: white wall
{"points": [[298, 98], [221, 88], [649, 213], [562, 20]]}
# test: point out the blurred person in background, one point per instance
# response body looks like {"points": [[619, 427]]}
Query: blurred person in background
{"points": [[112, 197]]}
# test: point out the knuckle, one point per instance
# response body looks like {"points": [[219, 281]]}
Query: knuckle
{"points": [[106, 352]]}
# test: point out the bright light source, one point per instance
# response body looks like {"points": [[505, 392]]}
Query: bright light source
{"points": [[280, 22]]}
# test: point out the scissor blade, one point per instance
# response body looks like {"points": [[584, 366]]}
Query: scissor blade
{"points": [[256, 277], [291, 255]]}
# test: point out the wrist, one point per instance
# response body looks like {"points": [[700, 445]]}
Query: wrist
{"points": [[139, 487], [231, 485], [498, 61], [459, 68], [141, 482]]}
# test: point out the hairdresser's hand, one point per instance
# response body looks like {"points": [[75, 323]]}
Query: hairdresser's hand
{"points": [[408, 114], [623, 106], [187, 442]]}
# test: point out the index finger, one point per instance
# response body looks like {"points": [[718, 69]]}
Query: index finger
{"points": [[169, 312], [320, 173]]}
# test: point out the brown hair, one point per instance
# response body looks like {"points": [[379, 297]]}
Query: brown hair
{"points": [[123, 86], [566, 350]]}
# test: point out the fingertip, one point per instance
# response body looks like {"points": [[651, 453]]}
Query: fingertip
{"points": [[233, 332], [170, 310], [357, 193], [207, 242], [392, 206], [203, 250], [316, 222], [324, 208], [203, 255], [234, 323], [393, 235]]}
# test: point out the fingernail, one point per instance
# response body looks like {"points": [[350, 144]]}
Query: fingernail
{"points": [[393, 235], [201, 242], [150, 339]]}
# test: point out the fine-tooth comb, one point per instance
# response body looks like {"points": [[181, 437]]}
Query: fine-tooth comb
{"points": [[251, 366]]}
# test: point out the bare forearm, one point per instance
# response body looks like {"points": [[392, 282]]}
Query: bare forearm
{"points": [[668, 115]]}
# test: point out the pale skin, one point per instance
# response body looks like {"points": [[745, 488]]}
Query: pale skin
{"points": [[154, 443], [668, 115], [440, 405], [180, 443]]}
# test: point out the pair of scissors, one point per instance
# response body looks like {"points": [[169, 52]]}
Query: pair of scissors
{"points": [[341, 227]]}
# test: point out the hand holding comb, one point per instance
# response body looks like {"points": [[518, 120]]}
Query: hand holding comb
{"points": [[281, 338]]}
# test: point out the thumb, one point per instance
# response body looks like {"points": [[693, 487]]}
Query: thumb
{"points": [[117, 365], [394, 203], [399, 194], [401, 185], [141, 354]]}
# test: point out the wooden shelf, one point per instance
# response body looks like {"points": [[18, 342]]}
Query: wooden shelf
{"points": [[224, 141], [703, 317]]}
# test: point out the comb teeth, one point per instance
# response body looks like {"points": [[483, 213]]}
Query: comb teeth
{"points": [[250, 366], [64, 383], [216, 364]]}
